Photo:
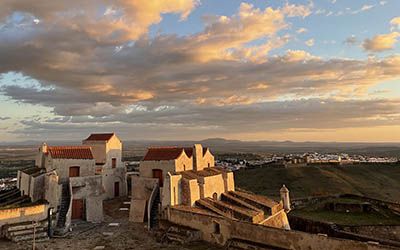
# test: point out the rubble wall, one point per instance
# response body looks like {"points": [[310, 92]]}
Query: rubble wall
{"points": [[219, 230]]}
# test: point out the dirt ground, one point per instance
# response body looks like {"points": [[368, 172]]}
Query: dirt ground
{"points": [[127, 235]]}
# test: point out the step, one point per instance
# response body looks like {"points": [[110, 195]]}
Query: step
{"points": [[26, 231], [25, 225], [29, 237], [176, 237]]}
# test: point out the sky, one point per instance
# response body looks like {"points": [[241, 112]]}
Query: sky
{"points": [[326, 70]]}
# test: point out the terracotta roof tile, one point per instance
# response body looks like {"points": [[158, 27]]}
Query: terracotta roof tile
{"points": [[70, 152], [99, 137], [162, 154]]}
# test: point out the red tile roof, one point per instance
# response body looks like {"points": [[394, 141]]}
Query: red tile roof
{"points": [[70, 152], [99, 137], [163, 154]]}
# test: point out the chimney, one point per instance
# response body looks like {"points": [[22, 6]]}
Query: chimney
{"points": [[285, 198], [44, 148], [39, 160], [198, 157]]}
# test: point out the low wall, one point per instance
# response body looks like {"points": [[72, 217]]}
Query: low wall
{"points": [[219, 230], [23, 214]]}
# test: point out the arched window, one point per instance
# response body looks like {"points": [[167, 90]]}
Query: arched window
{"points": [[215, 196]]}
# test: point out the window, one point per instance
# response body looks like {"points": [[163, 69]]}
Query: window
{"points": [[184, 167], [114, 162], [217, 228], [215, 196], [208, 164], [74, 171]]}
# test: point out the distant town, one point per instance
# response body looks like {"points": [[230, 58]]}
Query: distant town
{"points": [[301, 160]]}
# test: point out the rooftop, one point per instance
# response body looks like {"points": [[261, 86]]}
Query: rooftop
{"points": [[163, 153], [193, 174], [99, 137], [71, 152]]}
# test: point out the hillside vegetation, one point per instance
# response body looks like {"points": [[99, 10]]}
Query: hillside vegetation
{"points": [[381, 182]]}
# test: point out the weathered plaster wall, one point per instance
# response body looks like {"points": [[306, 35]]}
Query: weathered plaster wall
{"points": [[23, 183], [52, 189], [213, 184], [278, 220], [36, 191], [208, 160], [194, 192], [23, 214], [269, 236], [172, 191], [112, 175], [61, 166], [146, 168], [183, 163], [90, 189], [94, 209], [141, 191], [229, 181]]}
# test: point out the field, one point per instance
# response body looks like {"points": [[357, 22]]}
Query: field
{"points": [[379, 181]]}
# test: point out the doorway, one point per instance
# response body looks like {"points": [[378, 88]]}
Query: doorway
{"points": [[77, 209], [116, 189], [157, 173]]}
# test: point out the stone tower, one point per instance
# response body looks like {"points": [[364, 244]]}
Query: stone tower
{"points": [[198, 157], [285, 198]]}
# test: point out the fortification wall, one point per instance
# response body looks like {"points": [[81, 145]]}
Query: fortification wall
{"points": [[23, 214], [219, 230]]}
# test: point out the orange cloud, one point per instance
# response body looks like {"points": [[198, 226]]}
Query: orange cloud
{"points": [[381, 43]]}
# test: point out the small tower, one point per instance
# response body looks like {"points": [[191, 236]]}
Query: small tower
{"points": [[39, 160], [285, 198], [198, 157]]}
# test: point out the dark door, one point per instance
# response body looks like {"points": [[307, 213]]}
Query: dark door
{"points": [[116, 189], [73, 171], [114, 162], [157, 173], [77, 209]]}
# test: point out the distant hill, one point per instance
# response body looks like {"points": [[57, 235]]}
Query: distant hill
{"points": [[221, 145], [380, 181]]}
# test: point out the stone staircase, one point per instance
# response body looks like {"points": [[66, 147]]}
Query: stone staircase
{"points": [[13, 197], [64, 206], [26, 231], [154, 213]]}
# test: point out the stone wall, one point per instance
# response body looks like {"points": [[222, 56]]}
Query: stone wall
{"points": [[213, 184], [89, 189], [219, 230], [61, 166], [23, 214]]}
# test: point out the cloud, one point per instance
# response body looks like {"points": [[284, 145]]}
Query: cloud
{"points": [[214, 80], [352, 40], [395, 23], [299, 55], [301, 30], [381, 43], [111, 22], [292, 10], [210, 120], [310, 42], [364, 8]]}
